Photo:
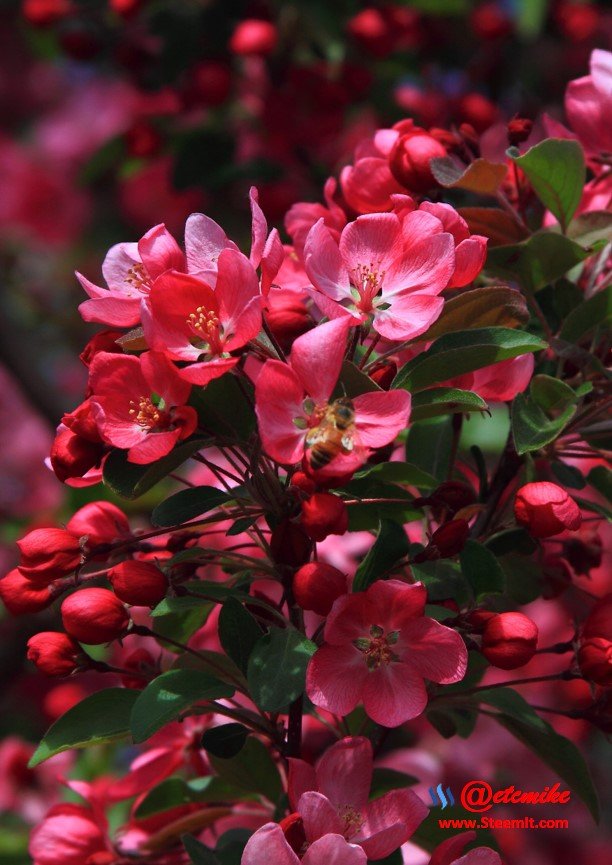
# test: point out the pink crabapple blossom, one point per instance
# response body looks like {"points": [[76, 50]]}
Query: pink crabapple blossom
{"points": [[378, 649], [139, 404], [333, 798], [292, 397]]}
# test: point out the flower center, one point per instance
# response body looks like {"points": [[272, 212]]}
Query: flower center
{"points": [[377, 647], [138, 277], [205, 324], [351, 819], [368, 280], [145, 413]]}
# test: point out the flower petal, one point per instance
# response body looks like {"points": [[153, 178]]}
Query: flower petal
{"points": [[323, 263], [389, 822], [409, 315], [380, 416], [278, 402], [329, 850], [393, 694], [316, 357], [268, 844], [319, 815], [435, 651], [335, 678], [344, 772]]}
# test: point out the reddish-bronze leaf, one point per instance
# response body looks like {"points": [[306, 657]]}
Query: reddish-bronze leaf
{"points": [[490, 306], [497, 225], [479, 176]]}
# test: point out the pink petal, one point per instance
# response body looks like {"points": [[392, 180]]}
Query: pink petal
{"points": [[480, 856], [368, 185], [111, 309], [237, 292], [394, 693], [335, 678], [344, 772], [268, 844], [272, 260], [437, 653], [159, 252], [278, 402], [428, 259], [395, 604], [119, 260], [324, 265], [153, 447], [174, 296], [389, 822], [162, 377], [204, 240], [330, 850], [470, 257], [301, 777], [447, 852], [208, 370], [319, 816], [381, 415], [351, 617], [601, 70], [316, 357], [409, 315], [375, 239], [146, 771], [91, 288], [259, 228], [451, 221]]}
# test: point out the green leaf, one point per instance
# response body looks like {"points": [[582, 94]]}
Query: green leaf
{"points": [[551, 394], [401, 473], [252, 770], [479, 176], [591, 314], [489, 306], [523, 577], [238, 632], [102, 717], [568, 475], [532, 429], [536, 262], [556, 751], [174, 792], [225, 408], [353, 382], [482, 570], [130, 481], [179, 618], [226, 740], [187, 505], [390, 546], [428, 446], [445, 400], [215, 663], [384, 780], [556, 170], [453, 721], [198, 853], [443, 580], [589, 228], [457, 353], [601, 478], [166, 697], [277, 668]]}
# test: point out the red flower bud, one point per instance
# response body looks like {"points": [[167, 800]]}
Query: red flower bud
{"points": [[324, 514], [139, 661], [100, 522], [509, 640], [599, 620], [545, 509], [595, 660], [20, 595], [409, 160], [289, 544], [138, 583], [55, 654], [293, 830], [72, 456], [447, 541], [371, 30], [519, 130], [106, 340], [47, 554], [303, 482], [142, 140], [42, 13], [384, 373], [82, 422], [62, 697], [478, 111], [254, 36], [287, 317], [209, 84], [490, 21], [317, 585], [94, 616], [479, 619], [125, 8]]}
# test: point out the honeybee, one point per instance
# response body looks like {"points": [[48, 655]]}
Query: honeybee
{"points": [[333, 435]]}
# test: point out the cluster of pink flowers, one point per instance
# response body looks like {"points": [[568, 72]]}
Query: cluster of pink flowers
{"points": [[307, 339]]}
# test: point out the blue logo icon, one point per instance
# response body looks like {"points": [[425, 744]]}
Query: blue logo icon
{"points": [[443, 798]]}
